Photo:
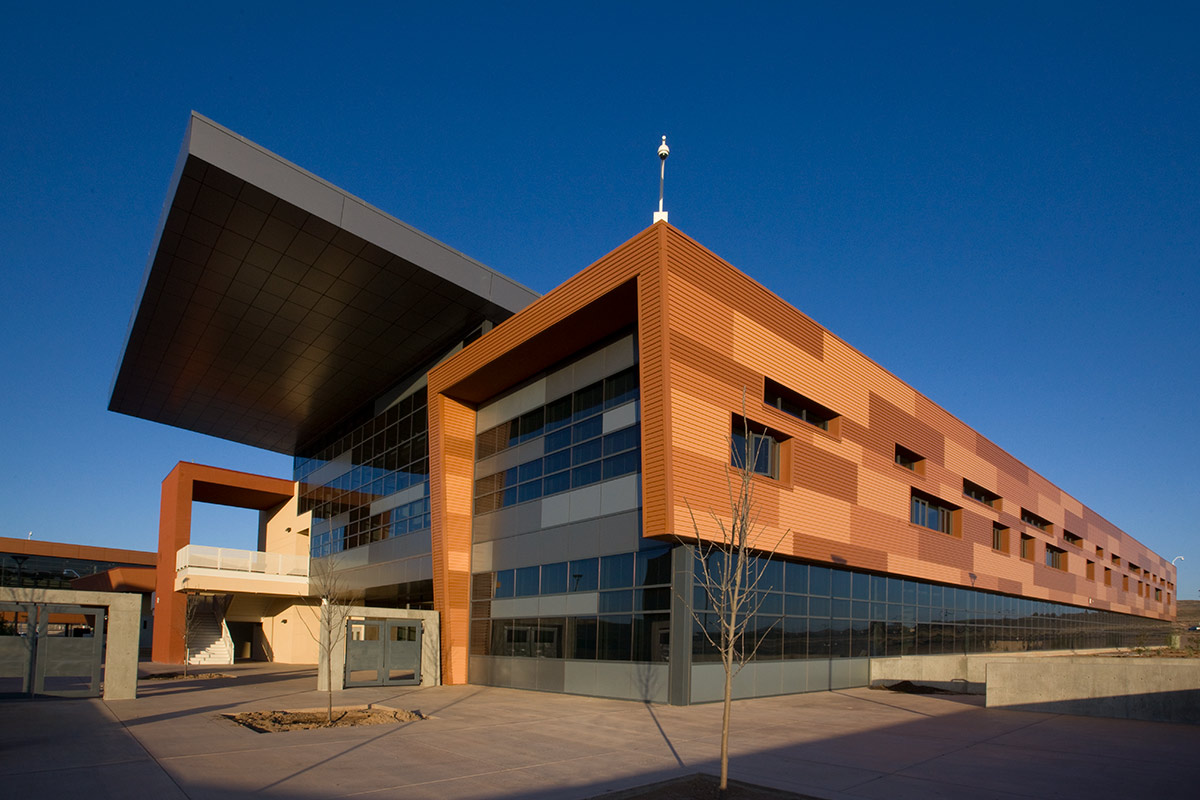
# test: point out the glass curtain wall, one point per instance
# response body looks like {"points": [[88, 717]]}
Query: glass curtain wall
{"points": [[815, 612], [376, 458], [632, 623]]}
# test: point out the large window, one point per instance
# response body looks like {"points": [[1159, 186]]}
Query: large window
{"points": [[577, 451], [363, 460], [631, 621], [930, 512], [587, 402], [1056, 557], [581, 456], [753, 444]]}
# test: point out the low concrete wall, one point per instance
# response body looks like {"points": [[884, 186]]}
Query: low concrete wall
{"points": [[120, 634], [1154, 689], [958, 672]]}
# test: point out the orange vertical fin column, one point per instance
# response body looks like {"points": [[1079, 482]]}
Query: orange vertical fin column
{"points": [[451, 477], [174, 532]]}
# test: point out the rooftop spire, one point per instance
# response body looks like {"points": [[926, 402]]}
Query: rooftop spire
{"points": [[663, 152]]}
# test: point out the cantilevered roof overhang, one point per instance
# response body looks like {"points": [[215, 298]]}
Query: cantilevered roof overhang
{"points": [[274, 304]]}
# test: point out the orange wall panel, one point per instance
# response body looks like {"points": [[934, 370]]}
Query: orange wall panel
{"points": [[840, 496]]}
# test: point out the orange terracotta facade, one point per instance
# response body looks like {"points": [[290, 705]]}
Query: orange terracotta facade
{"points": [[188, 483], [708, 338]]}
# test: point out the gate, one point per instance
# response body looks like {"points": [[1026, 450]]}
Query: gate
{"points": [[51, 649], [383, 652]]}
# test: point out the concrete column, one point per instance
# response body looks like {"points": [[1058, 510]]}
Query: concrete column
{"points": [[679, 683], [121, 639]]}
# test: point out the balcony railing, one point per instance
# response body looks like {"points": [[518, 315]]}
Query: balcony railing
{"points": [[198, 556]]}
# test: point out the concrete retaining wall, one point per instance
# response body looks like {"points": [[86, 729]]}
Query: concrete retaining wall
{"points": [[957, 673], [1155, 689]]}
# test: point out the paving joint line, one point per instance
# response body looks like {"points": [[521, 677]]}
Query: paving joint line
{"points": [[143, 748]]}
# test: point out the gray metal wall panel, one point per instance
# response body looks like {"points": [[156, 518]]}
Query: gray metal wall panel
{"points": [[550, 674], [613, 680], [860, 671], [839, 673], [479, 670], [579, 677], [523, 673], [502, 672], [768, 678], [793, 677]]}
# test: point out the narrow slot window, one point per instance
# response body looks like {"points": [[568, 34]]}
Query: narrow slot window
{"points": [[980, 495], [910, 460], [1032, 519], [797, 405]]}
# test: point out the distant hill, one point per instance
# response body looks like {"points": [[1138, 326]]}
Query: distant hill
{"points": [[1188, 612]]}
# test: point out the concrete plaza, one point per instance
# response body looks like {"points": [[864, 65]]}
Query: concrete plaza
{"points": [[483, 742]]}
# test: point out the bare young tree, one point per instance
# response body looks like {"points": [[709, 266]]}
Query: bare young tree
{"points": [[731, 573], [328, 585], [191, 626]]}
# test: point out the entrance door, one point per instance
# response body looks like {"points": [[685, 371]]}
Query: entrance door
{"points": [[383, 652]]}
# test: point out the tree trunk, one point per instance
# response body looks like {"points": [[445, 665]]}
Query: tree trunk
{"points": [[723, 786]]}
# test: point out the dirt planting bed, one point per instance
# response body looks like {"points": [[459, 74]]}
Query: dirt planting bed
{"points": [[280, 721], [179, 676]]}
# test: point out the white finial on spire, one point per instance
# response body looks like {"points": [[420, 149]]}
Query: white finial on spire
{"points": [[663, 152]]}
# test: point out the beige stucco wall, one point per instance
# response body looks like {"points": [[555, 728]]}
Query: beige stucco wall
{"points": [[200, 579], [282, 530], [288, 625], [291, 633]]}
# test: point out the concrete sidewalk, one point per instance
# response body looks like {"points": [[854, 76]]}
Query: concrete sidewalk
{"points": [[482, 742]]}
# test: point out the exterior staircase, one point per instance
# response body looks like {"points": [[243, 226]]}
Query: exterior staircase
{"points": [[209, 644]]}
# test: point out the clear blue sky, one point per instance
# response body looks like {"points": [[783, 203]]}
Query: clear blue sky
{"points": [[997, 202]]}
